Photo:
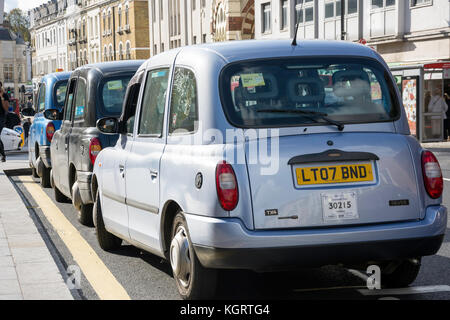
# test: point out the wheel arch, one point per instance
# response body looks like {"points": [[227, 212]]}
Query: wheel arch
{"points": [[168, 213]]}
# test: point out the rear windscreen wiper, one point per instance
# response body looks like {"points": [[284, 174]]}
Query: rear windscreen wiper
{"points": [[308, 114]]}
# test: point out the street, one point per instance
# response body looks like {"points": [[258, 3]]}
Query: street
{"points": [[139, 275]]}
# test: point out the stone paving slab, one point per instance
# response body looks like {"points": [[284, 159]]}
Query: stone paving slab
{"points": [[27, 269]]}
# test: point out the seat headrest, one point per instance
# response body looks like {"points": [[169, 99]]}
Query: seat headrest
{"points": [[351, 83], [315, 91]]}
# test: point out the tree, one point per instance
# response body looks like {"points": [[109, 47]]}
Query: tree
{"points": [[19, 23]]}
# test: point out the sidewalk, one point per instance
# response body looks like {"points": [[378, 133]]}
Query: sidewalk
{"points": [[27, 269], [437, 145]]}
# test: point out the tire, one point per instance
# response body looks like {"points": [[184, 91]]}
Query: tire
{"points": [[192, 279], [34, 172], [45, 179], [402, 276], [106, 240], [84, 210], [59, 197], [85, 215]]}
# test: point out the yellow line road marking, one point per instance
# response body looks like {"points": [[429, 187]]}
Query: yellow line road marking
{"points": [[101, 279]]}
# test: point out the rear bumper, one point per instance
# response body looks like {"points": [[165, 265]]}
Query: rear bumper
{"points": [[226, 243], [84, 184], [44, 153]]}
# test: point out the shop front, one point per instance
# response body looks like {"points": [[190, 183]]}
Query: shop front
{"points": [[424, 89]]}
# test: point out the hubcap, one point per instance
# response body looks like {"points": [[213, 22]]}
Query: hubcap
{"points": [[180, 258]]}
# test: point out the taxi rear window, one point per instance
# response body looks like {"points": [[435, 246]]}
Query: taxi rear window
{"points": [[112, 94], [301, 91]]}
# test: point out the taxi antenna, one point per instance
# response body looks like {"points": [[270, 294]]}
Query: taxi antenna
{"points": [[297, 12], [294, 41]]}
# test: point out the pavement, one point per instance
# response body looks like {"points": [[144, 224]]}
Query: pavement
{"points": [[28, 270], [31, 268]]}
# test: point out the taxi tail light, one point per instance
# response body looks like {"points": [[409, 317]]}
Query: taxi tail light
{"points": [[226, 185], [432, 175], [94, 149], [50, 131]]}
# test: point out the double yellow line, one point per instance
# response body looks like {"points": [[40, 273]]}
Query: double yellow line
{"points": [[101, 279]]}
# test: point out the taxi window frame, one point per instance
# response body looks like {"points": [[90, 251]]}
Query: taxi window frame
{"points": [[386, 74]]}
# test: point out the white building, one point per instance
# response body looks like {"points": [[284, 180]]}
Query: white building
{"points": [[413, 36], [175, 23], [49, 38]]}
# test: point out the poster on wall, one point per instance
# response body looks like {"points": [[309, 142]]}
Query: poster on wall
{"points": [[409, 94]]}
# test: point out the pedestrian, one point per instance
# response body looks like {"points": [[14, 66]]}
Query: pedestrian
{"points": [[437, 105], [4, 107], [447, 121]]}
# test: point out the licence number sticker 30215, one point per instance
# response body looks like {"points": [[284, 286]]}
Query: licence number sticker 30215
{"points": [[339, 206]]}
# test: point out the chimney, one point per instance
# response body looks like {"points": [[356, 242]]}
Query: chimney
{"points": [[2, 11]]}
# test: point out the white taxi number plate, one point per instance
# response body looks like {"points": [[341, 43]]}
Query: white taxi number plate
{"points": [[339, 206]]}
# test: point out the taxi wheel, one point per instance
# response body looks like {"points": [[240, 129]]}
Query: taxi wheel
{"points": [[45, 179], [106, 240], [403, 275], [34, 172], [85, 215], [192, 279], [59, 197]]}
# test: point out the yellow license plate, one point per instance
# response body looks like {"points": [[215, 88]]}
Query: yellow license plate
{"points": [[346, 173]]}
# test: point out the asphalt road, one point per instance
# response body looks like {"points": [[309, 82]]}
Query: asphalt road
{"points": [[145, 276]]}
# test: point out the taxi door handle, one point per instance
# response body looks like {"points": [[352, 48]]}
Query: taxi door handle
{"points": [[122, 171], [153, 174]]}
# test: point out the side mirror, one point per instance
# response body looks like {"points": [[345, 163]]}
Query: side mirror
{"points": [[52, 114], [108, 125]]}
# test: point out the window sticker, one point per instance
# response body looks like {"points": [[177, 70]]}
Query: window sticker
{"points": [[115, 85], [159, 74], [79, 111], [252, 80]]}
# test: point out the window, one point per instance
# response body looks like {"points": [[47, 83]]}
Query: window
{"points": [[41, 99], [193, 4], [119, 12], [127, 22], [266, 17], [304, 11], [80, 100], [60, 93], [113, 91], [380, 4], [154, 101], [130, 108], [69, 100], [284, 14], [184, 106], [350, 8], [298, 92], [8, 70], [415, 3]]}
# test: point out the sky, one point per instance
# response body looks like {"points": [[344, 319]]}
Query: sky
{"points": [[24, 5]]}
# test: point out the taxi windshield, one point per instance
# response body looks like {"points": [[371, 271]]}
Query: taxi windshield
{"points": [[307, 91]]}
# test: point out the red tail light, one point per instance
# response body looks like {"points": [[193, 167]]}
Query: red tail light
{"points": [[227, 188], [50, 131], [432, 175], [94, 149]]}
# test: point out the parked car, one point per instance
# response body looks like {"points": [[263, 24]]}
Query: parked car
{"points": [[94, 91], [51, 94], [343, 181]]}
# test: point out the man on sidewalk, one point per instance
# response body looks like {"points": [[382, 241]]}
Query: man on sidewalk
{"points": [[4, 107]]}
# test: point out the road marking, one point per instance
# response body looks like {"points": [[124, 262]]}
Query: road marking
{"points": [[101, 279], [446, 179], [404, 291], [328, 289]]}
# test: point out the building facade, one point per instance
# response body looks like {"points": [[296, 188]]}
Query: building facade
{"points": [[124, 29], [67, 34], [48, 38], [176, 23], [14, 56]]}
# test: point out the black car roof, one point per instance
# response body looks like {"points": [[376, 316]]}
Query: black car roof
{"points": [[111, 68]]}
